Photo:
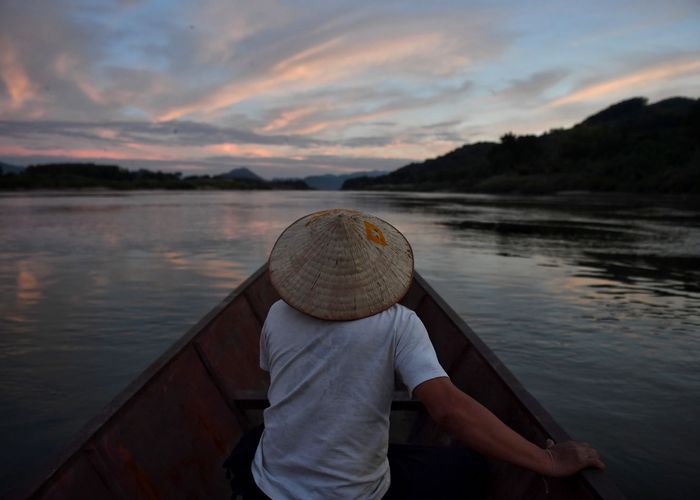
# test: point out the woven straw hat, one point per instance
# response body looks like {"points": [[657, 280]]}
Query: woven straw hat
{"points": [[341, 264]]}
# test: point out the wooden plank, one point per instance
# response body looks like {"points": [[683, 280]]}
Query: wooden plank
{"points": [[477, 378], [261, 295], [81, 475], [256, 399], [170, 441], [231, 346], [446, 337]]}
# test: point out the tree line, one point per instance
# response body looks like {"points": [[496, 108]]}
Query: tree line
{"points": [[91, 175]]}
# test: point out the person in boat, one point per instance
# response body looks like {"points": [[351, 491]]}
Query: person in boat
{"points": [[332, 347]]}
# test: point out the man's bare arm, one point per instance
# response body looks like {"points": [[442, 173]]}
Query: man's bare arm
{"points": [[481, 430]]}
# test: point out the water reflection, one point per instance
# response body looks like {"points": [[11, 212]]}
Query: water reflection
{"points": [[176, 259], [678, 273], [603, 234], [28, 291]]}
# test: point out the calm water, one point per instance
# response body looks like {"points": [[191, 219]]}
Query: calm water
{"points": [[593, 303]]}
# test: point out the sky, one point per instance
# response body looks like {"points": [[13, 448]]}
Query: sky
{"points": [[295, 88]]}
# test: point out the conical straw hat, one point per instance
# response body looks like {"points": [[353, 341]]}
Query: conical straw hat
{"points": [[341, 264]]}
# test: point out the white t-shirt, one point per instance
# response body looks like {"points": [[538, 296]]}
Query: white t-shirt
{"points": [[327, 428]]}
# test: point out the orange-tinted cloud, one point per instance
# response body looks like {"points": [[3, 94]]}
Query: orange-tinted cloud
{"points": [[290, 117], [323, 124], [398, 149], [83, 153], [327, 62], [242, 150], [66, 67], [19, 86], [335, 58], [630, 82], [343, 112]]}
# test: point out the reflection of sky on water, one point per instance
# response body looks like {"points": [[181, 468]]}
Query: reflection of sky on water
{"points": [[592, 303], [28, 291]]}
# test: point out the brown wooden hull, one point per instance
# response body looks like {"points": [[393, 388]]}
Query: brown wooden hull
{"points": [[167, 435]]}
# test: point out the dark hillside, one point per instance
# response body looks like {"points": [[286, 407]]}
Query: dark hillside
{"points": [[631, 146]]}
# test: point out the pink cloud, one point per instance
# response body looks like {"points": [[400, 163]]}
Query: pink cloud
{"points": [[632, 82], [244, 150], [329, 61], [19, 86], [81, 153], [288, 118]]}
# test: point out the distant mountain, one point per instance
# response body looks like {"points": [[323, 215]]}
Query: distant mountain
{"points": [[631, 146], [6, 168], [330, 182], [241, 173]]}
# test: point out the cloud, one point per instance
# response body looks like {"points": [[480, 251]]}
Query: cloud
{"points": [[17, 83], [632, 82], [344, 109], [118, 60], [59, 56], [531, 88], [316, 51], [181, 133], [52, 154]]}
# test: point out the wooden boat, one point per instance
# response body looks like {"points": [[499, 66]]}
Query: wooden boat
{"points": [[167, 435]]}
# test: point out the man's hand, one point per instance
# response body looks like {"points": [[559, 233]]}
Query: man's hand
{"points": [[570, 457], [481, 430]]}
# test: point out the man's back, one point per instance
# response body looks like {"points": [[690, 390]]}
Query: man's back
{"points": [[326, 431]]}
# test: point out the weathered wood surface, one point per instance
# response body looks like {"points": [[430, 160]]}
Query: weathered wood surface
{"points": [[167, 434]]}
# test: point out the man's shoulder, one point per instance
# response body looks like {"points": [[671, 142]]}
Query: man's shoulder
{"points": [[401, 309], [405, 321], [402, 312], [279, 304], [281, 313], [398, 318], [279, 308]]}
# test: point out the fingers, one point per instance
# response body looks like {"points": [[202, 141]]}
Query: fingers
{"points": [[591, 456], [595, 460], [549, 443]]}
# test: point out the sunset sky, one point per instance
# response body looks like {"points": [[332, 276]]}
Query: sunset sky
{"points": [[293, 88]]}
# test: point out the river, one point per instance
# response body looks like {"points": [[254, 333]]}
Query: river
{"points": [[592, 301]]}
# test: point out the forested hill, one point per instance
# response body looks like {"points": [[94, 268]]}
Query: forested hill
{"points": [[631, 146]]}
